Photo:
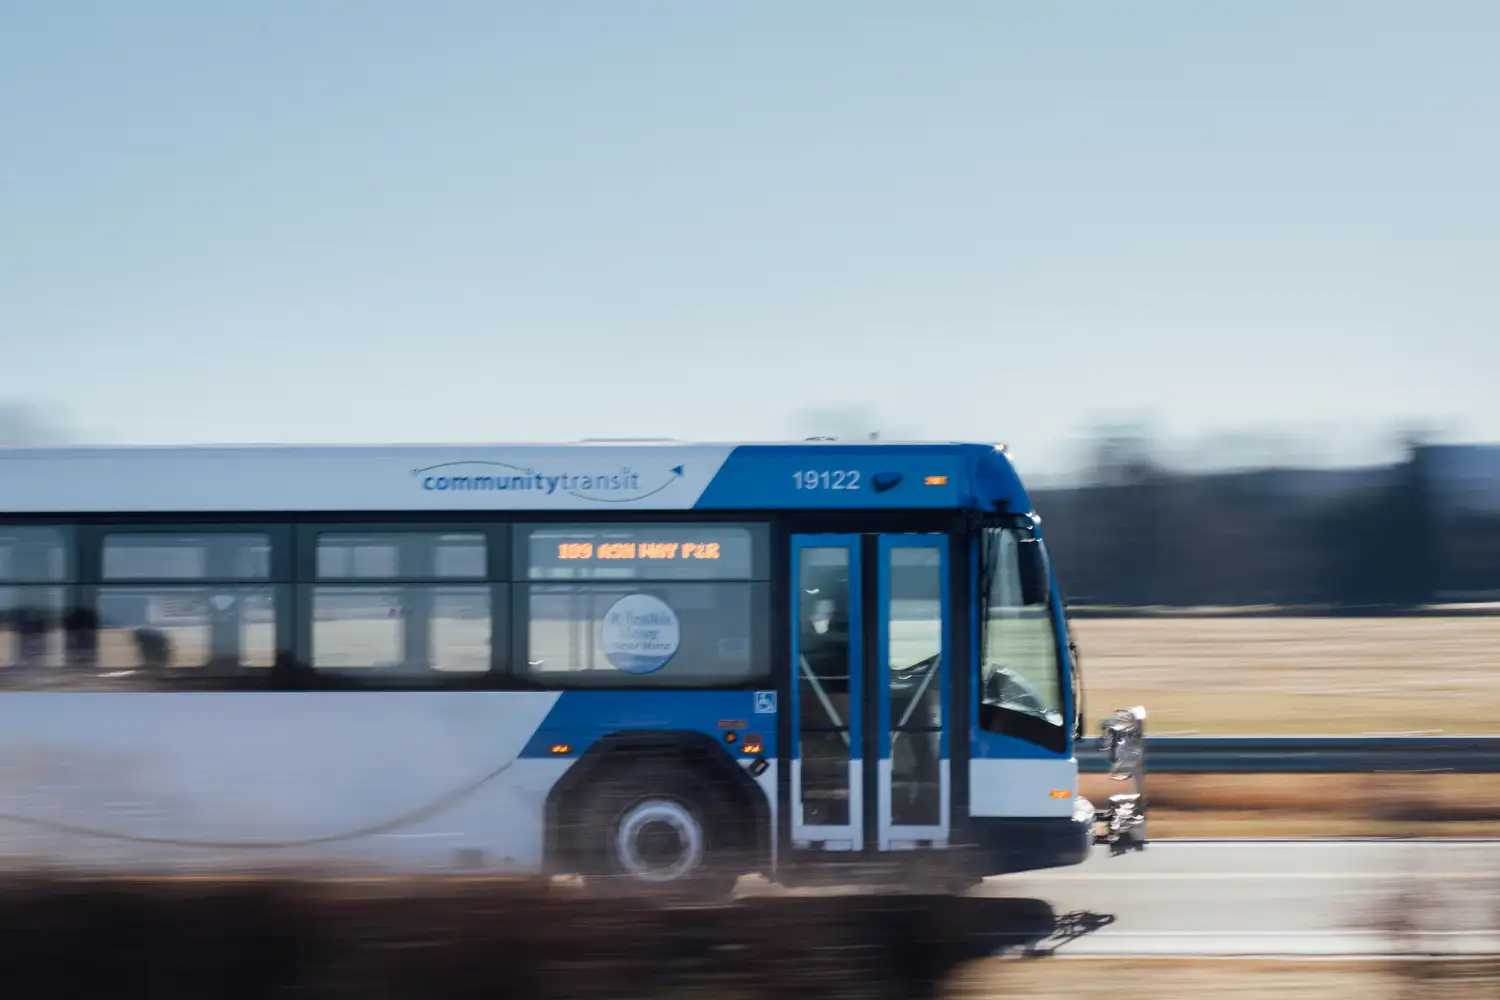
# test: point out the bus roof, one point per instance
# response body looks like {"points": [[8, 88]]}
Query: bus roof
{"points": [[587, 475]]}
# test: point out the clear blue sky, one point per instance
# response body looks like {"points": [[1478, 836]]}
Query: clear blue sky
{"points": [[316, 220]]}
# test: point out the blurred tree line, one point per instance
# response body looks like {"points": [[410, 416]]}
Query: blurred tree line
{"points": [[1138, 533], [24, 424]]}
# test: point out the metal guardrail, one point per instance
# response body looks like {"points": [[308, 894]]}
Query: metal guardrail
{"points": [[1310, 754]]}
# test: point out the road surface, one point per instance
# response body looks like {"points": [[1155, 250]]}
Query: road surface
{"points": [[1272, 898]]}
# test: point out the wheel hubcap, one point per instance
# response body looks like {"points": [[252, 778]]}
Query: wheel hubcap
{"points": [[659, 841]]}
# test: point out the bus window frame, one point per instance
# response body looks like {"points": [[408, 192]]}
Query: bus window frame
{"points": [[997, 720], [766, 563], [306, 582]]}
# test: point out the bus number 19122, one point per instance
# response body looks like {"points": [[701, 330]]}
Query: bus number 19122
{"points": [[827, 479]]}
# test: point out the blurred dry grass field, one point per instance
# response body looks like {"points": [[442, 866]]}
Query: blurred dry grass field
{"points": [[1303, 676], [1296, 676]]}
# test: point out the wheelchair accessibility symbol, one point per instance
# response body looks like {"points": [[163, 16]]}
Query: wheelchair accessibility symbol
{"points": [[765, 702]]}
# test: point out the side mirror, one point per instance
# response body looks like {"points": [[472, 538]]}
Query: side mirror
{"points": [[1036, 573]]}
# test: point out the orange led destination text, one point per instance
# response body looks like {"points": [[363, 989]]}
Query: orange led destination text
{"points": [[638, 550]]}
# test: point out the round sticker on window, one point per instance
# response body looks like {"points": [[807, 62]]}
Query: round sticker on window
{"points": [[640, 634]]}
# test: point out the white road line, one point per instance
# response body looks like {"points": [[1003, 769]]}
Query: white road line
{"points": [[1313, 843], [1251, 955], [1384, 875], [1355, 944], [1313, 934]]}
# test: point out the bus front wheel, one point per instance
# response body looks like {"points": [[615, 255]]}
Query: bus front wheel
{"points": [[663, 836]]}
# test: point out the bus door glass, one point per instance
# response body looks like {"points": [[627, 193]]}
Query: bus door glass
{"points": [[828, 730], [869, 749], [911, 674]]}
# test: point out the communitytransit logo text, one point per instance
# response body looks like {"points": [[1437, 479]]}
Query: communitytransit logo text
{"points": [[604, 485]]}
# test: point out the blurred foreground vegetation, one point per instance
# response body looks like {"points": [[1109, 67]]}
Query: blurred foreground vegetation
{"points": [[438, 939]]}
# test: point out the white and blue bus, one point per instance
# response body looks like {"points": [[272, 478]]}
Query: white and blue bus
{"points": [[638, 662]]}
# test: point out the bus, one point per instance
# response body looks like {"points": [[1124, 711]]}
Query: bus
{"points": [[641, 663]]}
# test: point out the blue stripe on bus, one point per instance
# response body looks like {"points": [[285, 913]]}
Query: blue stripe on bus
{"points": [[580, 718], [828, 477]]}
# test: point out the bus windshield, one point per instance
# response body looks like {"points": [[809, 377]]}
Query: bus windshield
{"points": [[1019, 661]]}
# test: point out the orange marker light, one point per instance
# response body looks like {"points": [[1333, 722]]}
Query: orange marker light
{"points": [[936, 480], [1061, 793], [561, 748]]}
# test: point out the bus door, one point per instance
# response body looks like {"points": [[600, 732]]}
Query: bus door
{"points": [[869, 740]]}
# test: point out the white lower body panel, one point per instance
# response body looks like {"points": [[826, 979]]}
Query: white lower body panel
{"points": [[174, 780], [1023, 787]]}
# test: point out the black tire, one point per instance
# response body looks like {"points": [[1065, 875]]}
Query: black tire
{"points": [[663, 832]]}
